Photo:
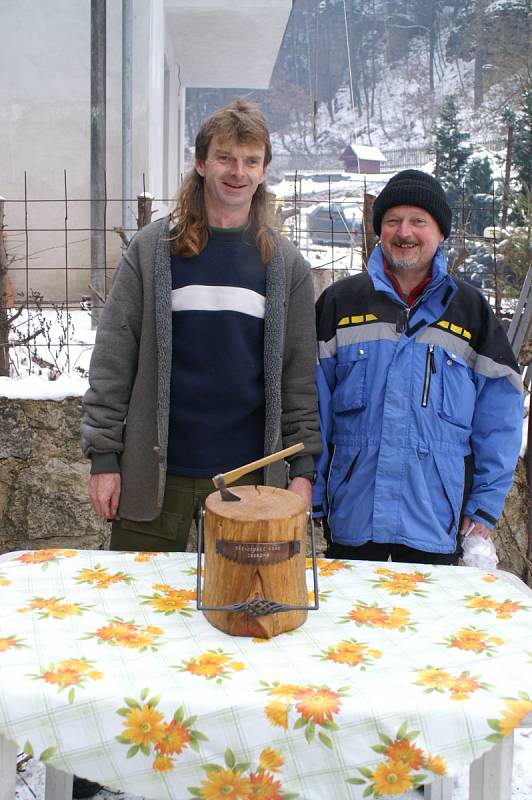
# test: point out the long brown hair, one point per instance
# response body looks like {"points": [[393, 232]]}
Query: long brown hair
{"points": [[243, 122]]}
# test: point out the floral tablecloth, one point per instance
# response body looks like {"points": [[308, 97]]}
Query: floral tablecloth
{"points": [[405, 674]]}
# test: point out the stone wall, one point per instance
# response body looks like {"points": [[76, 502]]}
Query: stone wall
{"points": [[43, 478], [43, 486], [511, 539]]}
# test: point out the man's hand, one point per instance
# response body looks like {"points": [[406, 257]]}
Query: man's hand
{"points": [[302, 487], [104, 493], [478, 528]]}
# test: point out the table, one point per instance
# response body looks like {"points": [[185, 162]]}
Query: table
{"points": [[406, 675]]}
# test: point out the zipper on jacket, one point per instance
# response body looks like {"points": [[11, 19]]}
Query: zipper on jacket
{"points": [[430, 368], [402, 320]]}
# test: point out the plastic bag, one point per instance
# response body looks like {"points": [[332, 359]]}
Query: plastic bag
{"points": [[479, 552]]}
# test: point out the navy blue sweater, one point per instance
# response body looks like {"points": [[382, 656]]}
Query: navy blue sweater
{"points": [[217, 382]]}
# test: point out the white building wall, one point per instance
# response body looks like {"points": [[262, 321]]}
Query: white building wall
{"points": [[45, 131], [45, 115]]}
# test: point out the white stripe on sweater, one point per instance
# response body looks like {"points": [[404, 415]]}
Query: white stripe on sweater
{"points": [[218, 298]]}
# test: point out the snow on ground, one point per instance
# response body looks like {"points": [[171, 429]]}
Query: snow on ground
{"points": [[48, 369], [30, 782], [315, 183], [38, 387], [404, 108]]}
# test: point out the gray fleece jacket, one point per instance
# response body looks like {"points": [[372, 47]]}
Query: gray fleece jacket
{"points": [[126, 408]]}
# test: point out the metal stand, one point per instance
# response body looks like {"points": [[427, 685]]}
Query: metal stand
{"points": [[255, 608]]}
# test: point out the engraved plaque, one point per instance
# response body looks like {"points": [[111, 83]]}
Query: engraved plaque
{"points": [[257, 552]]}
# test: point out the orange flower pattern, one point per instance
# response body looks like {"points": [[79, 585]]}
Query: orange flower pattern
{"points": [[402, 583], [53, 608], [484, 603], [322, 596], [212, 665], [100, 578], [146, 730], [70, 673], [515, 711], [328, 566], [401, 768], [122, 633], [270, 760], [460, 687], [193, 571], [316, 705], [307, 715], [10, 642], [238, 781], [142, 558], [373, 616], [352, 653], [45, 557], [168, 600], [473, 639]]}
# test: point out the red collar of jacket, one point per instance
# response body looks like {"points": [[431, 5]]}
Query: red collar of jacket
{"points": [[416, 291]]}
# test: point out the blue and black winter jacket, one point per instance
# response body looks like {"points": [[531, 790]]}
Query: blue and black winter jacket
{"points": [[420, 408]]}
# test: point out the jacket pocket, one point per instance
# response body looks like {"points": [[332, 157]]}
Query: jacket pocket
{"points": [[351, 392], [451, 470], [458, 391], [341, 469], [430, 368]]}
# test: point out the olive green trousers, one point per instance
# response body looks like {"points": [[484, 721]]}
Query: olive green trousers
{"points": [[169, 532]]}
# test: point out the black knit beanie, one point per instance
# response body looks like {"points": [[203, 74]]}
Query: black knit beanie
{"points": [[411, 187]]}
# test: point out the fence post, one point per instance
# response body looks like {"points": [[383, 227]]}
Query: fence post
{"points": [[369, 239], [98, 180], [4, 320], [144, 201]]}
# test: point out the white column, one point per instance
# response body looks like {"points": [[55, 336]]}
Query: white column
{"points": [[490, 777], [440, 789], [58, 785], [8, 769], [155, 92], [181, 133]]}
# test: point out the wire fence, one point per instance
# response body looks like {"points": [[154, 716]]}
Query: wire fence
{"points": [[48, 273]]}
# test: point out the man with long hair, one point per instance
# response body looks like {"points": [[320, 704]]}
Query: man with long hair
{"points": [[205, 353]]}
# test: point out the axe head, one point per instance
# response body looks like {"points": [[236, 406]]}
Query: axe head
{"points": [[219, 482]]}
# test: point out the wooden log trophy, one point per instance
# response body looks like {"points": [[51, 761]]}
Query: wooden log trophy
{"points": [[255, 556]]}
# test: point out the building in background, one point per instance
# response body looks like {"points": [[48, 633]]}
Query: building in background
{"points": [[45, 131], [362, 158]]}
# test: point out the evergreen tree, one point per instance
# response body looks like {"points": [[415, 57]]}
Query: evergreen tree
{"points": [[522, 160], [479, 199], [518, 245], [452, 151]]}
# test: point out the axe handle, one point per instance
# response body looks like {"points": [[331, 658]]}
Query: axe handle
{"points": [[235, 474]]}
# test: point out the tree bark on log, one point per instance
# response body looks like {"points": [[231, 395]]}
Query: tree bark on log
{"points": [[255, 551]]}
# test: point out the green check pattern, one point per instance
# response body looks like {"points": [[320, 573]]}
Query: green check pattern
{"points": [[405, 674]]}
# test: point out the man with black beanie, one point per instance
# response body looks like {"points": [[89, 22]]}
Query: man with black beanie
{"points": [[420, 395]]}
